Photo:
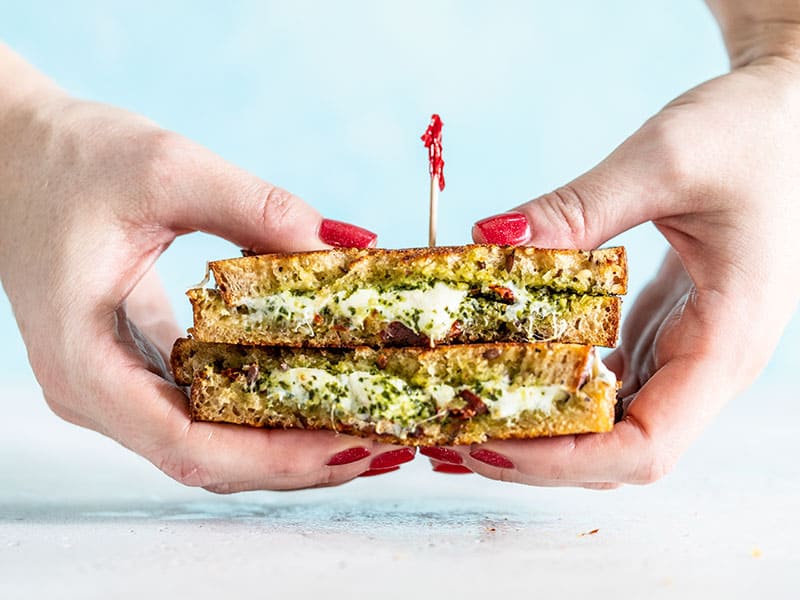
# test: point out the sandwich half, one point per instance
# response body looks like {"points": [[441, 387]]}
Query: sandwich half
{"points": [[414, 297], [414, 395]]}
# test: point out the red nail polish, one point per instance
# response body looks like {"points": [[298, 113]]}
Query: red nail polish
{"points": [[348, 456], [443, 454], [373, 472], [345, 235], [452, 469], [392, 458], [492, 458], [508, 229]]}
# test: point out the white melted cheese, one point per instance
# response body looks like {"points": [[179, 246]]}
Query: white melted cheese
{"points": [[291, 308], [294, 385], [601, 372], [431, 312], [524, 305], [511, 403], [355, 392]]}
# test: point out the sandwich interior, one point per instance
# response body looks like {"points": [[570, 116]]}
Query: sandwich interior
{"points": [[416, 396]]}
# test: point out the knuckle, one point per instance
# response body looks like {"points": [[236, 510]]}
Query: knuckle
{"points": [[162, 150], [186, 471], [652, 468], [56, 405], [156, 171], [654, 455], [277, 206], [602, 487], [224, 488], [564, 209], [671, 144]]}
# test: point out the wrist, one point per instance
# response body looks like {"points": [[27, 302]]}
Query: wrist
{"points": [[757, 31]]}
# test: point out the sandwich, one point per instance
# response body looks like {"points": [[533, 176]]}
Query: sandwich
{"points": [[458, 394], [430, 346], [417, 297]]}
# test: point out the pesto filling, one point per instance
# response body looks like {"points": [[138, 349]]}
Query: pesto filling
{"points": [[379, 397], [436, 310]]}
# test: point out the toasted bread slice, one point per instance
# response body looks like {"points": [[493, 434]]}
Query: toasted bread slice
{"points": [[413, 396], [546, 316], [596, 272], [414, 297]]}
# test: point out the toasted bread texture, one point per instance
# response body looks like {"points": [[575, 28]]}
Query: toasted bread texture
{"points": [[596, 272], [565, 318], [413, 396]]}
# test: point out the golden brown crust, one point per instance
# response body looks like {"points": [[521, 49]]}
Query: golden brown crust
{"points": [[592, 414], [563, 364], [598, 272], [589, 406]]}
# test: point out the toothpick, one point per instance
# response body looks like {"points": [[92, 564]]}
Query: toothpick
{"points": [[433, 209]]}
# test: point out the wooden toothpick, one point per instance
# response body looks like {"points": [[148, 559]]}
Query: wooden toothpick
{"points": [[433, 208], [433, 142]]}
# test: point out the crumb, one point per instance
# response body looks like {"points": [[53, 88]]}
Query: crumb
{"points": [[592, 532]]}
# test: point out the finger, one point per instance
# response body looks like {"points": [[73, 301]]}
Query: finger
{"points": [[155, 423], [650, 309], [640, 449], [151, 416], [149, 307], [219, 198], [449, 468], [635, 184]]}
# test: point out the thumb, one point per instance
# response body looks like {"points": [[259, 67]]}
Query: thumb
{"points": [[626, 189], [206, 193]]}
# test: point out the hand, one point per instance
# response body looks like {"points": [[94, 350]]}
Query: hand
{"points": [[716, 171], [91, 196]]}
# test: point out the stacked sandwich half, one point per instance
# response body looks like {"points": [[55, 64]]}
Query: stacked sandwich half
{"points": [[421, 347]]}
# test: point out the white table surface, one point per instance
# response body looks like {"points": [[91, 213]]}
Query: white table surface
{"points": [[80, 517]]}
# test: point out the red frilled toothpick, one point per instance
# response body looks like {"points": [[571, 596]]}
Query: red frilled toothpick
{"points": [[433, 142]]}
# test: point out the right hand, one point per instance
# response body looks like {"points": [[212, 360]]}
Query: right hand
{"points": [[91, 196], [715, 171]]}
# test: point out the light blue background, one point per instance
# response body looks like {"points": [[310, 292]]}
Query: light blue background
{"points": [[328, 99]]}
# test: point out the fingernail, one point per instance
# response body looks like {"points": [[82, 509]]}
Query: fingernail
{"points": [[492, 458], [443, 454], [348, 456], [345, 235], [508, 229], [392, 458], [452, 469], [373, 472]]}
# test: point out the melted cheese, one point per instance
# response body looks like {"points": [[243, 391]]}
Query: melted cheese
{"points": [[513, 402], [600, 371], [431, 312], [355, 392]]}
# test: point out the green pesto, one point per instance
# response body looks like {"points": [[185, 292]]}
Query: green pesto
{"points": [[404, 404], [484, 314]]}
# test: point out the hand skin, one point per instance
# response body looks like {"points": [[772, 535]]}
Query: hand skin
{"points": [[91, 195], [716, 172]]}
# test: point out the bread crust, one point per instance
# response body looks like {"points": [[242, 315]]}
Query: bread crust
{"points": [[597, 272], [588, 406]]}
